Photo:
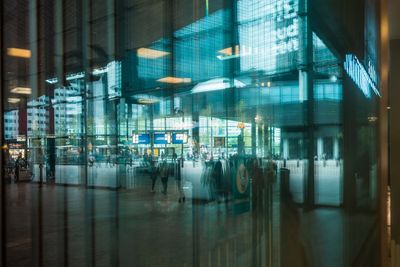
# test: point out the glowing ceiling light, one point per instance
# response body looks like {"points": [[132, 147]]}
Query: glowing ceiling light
{"points": [[13, 100], [75, 76], [99, 71], [174, 80], [52, 80], [239, 51], [146, 101], [151, 53], [226, 51], [268, 84], [21, 90], [18, 52], [333, 78], [217, 84]]}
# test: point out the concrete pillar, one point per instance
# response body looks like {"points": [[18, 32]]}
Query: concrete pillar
{"points": [[306, 81], [285, 148], [253, 139], [260, 141], [320, 147], [335, 148]]}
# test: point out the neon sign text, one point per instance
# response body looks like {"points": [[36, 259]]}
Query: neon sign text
{"points": [[360, 76]]}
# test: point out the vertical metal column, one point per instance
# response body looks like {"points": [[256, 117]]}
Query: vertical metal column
{"points": [[384, 126], [90, 225], [59, 63], [305, 67], [34, 69], [253, 138], [3, 231]]}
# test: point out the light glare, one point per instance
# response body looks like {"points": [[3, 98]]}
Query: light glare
{"points": [[13, 100], [174, 80], [18, 52], [21, 90], [151, 53]]}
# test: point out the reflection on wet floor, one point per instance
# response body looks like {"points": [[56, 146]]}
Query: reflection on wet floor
{"points": [[58, 225]]}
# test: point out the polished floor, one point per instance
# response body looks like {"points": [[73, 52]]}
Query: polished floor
{"points": [[54, 225]]}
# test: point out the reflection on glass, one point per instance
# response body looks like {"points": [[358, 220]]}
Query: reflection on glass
{"points": [[211, 132]]}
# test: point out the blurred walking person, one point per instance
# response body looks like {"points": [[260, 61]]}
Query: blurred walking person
{"points": [[179, 181], [153, 175], [18, 164], [164, 173]]}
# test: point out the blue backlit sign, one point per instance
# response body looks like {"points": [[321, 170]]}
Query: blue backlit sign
{"points": [[141, 139], [179, 138], [360, 76], [162, 138]]}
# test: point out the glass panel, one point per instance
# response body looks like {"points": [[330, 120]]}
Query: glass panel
{"points": [[187, 133]]}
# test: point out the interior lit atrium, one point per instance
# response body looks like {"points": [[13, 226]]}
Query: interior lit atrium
{"points": [[200, 133]]}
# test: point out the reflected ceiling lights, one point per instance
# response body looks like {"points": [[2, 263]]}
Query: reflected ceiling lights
{"points": [[217, 84], [18, 52], [21, 90], [228, 51], [174, 80], [146, 99], [52, 80], [99, 71], [75, 76], [13, 100], [151, 53], [239, 51], [333, 78]]}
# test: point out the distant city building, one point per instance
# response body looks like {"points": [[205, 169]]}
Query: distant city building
{"points": [[11, 124], [38, 116]]}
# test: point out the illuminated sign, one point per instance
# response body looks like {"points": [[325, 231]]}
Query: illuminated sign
{"points": [[162, 138], [179, 138], [21, 138], [372, 72], [141, 139], [360, 75], [287, 27], [278, 20], [287, 39]]}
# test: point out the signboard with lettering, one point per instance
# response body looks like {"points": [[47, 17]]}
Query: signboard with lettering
{"points": [[360, 76], [279, 22], [287, 27], [141, 139], [162, 138], [179, 138]]}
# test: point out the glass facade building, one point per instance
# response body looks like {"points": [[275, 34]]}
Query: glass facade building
{"points": [[254, 124]]}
